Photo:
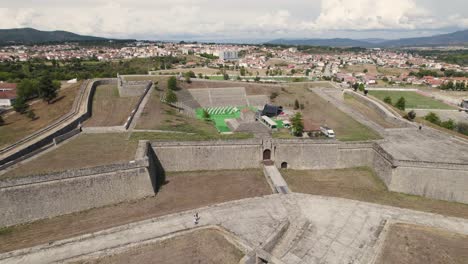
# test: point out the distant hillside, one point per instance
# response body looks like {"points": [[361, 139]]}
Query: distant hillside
{"points": [[336, 42], [33, 36], [456, 38]]}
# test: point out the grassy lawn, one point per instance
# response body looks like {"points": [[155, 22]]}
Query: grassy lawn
{"points": [[19, 126], [413, 99], [322, 112], [85, 150], [362, 184], [109, 109]]}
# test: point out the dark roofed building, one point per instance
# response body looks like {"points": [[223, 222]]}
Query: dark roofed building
{"points": [[271, 110]]}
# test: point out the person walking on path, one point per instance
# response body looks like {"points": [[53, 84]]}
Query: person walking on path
{"points": [[196, 218]]}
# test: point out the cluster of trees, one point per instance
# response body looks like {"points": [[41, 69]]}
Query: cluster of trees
{"points": [[209, 56], [16, 71], [171, 96], [44, 88], [445, 73], [459, 86], [460, 127], [400, 104], [459, 57]]}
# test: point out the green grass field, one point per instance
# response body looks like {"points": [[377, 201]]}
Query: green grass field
{"points": [[219, 115], [413, 99]]}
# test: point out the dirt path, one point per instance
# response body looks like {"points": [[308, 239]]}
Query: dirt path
{"points": [[183, 191]]}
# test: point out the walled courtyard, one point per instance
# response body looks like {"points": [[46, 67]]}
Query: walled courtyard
{"points": [[131, 192]]}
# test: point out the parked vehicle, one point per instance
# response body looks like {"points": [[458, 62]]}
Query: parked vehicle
{"points": [[327, 131]]}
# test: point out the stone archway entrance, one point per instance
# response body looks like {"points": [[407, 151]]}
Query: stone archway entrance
{"points": [[284, 165], [267, 154]]}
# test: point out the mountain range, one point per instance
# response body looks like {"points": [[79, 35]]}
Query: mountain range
{"points": [[456, 38], [34, 36]]}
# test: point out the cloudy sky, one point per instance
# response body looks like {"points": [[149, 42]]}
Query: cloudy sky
{"points": [[239, 19]]}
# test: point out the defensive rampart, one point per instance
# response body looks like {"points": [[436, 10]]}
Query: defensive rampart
{"points": [[42, 196], [81, 110], [435, 180], [210, 155]]}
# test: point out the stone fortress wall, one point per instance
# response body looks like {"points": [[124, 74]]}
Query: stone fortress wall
{"points": [[74, 119], [32, 198], [434, 180], [27, 199]]}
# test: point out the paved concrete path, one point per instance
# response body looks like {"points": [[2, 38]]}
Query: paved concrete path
{"points": [[336, 230], [272, 172]]}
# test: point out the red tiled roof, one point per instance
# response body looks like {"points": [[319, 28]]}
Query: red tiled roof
{"points": [[7, 85], [310, 126], [8, 94]]}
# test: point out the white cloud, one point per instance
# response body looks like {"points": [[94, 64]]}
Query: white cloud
{"points": [[227, 19], [371, 15]]}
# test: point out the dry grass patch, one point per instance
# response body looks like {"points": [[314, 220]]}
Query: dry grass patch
{"points": [[412, 244], [359, 68], [182, 191], [368, 112], [85, 150], [19, 126], [362, 184], [109, 109], [324, 113]]}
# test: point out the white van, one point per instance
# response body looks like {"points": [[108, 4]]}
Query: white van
{"points": [[327, 131]]}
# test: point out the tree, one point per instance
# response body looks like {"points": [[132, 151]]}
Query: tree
{"points": [[449, 124], [30, 114], [362, 87], [20, 105], [366, 71], [172, 83], [28, 88], [206, 115], [200, 76], [226, 76], [355, 86], [242, 71], [297, 124], [256, 79], [462, 128], [411, 115], [171, 97], [48, 89], [433, 118], [2, 121], [401, 103], [191, 74], [187, 78], [296, 104]]}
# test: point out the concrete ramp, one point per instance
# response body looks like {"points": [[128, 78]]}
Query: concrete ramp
{"points": [[276, 178]]}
